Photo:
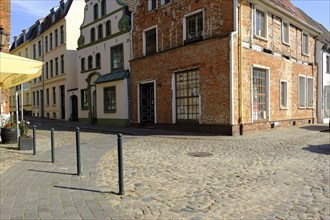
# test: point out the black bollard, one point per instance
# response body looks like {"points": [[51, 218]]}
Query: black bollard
{"points": [[52, 146], [120, 164], [78, 151], [34, 140]]}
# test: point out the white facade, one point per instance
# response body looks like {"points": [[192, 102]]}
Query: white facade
{"points": [[323, 59], [53, 40], [96, 77]]}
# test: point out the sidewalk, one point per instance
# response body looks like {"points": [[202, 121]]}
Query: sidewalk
{"points": [[37, 189]]}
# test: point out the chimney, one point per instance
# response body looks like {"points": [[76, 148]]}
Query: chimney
{"points": [[24, 35], [15, 41]]}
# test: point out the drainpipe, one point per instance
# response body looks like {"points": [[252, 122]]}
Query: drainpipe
{"points": [[240, 74], [17, 126], [232, 112]]}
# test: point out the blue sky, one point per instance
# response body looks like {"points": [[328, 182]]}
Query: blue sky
{"points": [[24, 13]]}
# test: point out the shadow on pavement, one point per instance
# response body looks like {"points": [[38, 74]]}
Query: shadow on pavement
{"points": [[320, 149], [45, 171], [315, 127], [82, 189]]}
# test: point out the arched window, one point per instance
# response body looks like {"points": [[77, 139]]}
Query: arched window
{"points": [[103, 7], [98, 60], [90, 62], [92, 34], [96, 11], [108, 28], [100, 31], [82, 64]]}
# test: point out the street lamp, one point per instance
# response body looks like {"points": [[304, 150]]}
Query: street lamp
{"points": [[3, 37]]}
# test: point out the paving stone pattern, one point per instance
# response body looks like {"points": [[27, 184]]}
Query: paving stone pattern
{"points": [[282, 174], [278, 175]]}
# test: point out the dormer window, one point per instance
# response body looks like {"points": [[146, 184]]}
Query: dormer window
{"points": [[96, 11]]}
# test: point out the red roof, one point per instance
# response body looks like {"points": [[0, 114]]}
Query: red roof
{"points": [[288, 6]]}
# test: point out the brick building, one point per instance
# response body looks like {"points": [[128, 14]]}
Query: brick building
{"points": [[224, 66], [5, 24]]}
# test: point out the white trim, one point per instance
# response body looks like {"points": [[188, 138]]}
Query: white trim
{"points": [[266, 24], [184, 23], [285, 95], [288, 25], [144, 39]]}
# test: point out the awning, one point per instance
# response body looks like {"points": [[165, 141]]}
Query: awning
{"points": [[119, 75], [15, 70]]}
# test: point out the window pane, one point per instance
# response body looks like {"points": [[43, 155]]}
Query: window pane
{"points": [[187, 95], [110, 99], [310, 90], [302, 91], [117, 58], [259, 94], [151, 41]]}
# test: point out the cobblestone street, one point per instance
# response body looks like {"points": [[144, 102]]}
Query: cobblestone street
{"points": [[282, 174]]}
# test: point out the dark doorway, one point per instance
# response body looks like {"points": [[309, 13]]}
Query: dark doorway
{"points": [[147, 104], [94, 114], [74, 107], [62, 95]]}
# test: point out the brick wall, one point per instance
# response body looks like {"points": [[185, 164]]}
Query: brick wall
{"points": [[5, 23]]}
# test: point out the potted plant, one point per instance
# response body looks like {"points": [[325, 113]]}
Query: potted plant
{"points": [[25, 140], [9, 131]]}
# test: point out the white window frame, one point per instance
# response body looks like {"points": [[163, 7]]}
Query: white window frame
{"points": [[145, 40], [184, 22], [267, 90], [162, 2], [310, 92], [302, 43], [283, 37], [299, 93], [255, 26], [285, 106], [150, 5]]}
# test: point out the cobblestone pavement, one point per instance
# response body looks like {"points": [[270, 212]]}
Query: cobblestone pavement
{"points": [[281, 174]]}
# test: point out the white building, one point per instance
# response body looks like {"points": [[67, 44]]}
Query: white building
{"points": [[53, 40], [103, 63]]}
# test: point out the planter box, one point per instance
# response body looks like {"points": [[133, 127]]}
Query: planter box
{"points": [[9, 135], [25, 143]]}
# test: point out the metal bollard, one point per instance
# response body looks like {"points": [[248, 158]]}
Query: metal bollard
{"points": [[78, 151], [120, 164], [34, 140], [52, 146]]}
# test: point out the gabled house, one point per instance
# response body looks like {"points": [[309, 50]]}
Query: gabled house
{"points": [[102, 85], [52, 40], [322, 57], [224, 66]]}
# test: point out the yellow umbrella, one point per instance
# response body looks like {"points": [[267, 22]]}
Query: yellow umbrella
{"points": [[15, 70]]}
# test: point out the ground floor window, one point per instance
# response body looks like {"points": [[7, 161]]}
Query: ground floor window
{"points": [[187, 87], [84, 99], [110, 99], [259, 94]]}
